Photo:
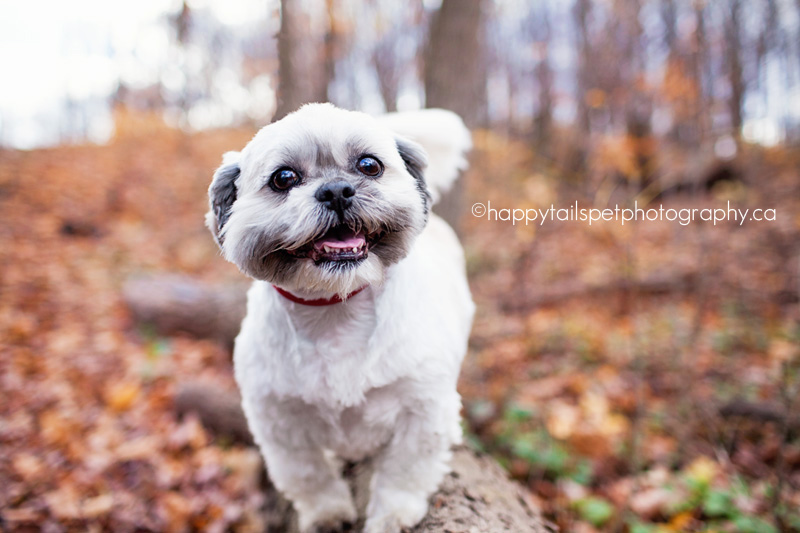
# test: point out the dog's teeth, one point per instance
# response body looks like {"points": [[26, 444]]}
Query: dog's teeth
{"points": [[355, 249], [327, 249]]}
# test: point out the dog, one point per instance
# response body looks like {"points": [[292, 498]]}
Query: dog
{"points": [[360, 312]]}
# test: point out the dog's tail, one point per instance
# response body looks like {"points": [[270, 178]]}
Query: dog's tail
{"points": [[444, 137]]}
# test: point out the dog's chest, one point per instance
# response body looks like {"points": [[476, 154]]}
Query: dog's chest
{"points": [[357, 431], [327, 357], [336, 360]]}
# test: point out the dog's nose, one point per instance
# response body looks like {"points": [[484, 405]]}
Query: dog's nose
{"points": [[336, 196]]}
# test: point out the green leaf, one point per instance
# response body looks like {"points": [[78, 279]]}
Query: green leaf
{"points": [[518, 414], [525, 447], [641, 527], [474, 442], [554, 459], [582, 473], [718, 503], [594, 510], [752, 524]]}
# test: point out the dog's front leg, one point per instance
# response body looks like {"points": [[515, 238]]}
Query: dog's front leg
{"points": [[411, 467], [298, 468]]}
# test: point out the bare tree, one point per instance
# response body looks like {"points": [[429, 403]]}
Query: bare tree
{"points": [[733, 60], [539, 30], [675, 61], [639, 106], [581, 12], [700, 68], [384, 59], [301, 71], [578, 150], [335, 46], [455, 76]]}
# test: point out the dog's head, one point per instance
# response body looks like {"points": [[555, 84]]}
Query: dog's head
{"points": [[322, 201]]}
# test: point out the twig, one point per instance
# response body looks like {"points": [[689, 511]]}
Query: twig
{"points": [[762, 412]]}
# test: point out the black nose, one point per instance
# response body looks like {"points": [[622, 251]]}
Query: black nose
{"points": [[336, 196]]}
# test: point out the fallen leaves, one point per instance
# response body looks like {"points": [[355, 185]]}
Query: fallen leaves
{"points": [[29, 467], [98, 506], [86, 419], [64, 503], [651, 502], [582, 374], [702, 470], [596, 398], [120, 396]]}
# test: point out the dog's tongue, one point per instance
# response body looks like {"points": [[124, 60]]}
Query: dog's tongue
{"points": [[341, 238]]}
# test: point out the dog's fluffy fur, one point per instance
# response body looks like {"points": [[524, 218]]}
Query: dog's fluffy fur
{"points": [[374, 376]]}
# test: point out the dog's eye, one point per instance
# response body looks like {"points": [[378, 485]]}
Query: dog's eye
{"points": [[369, 166], [284, 179]]}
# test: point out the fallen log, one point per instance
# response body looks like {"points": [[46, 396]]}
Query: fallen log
{"points": [[476, 496], [557, 293], [760, 412], [171, 303]]}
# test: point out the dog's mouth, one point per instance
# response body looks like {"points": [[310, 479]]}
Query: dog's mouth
{"points": [[339, 244]]}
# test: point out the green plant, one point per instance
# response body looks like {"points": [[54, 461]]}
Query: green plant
{"points": [[594, 510]]}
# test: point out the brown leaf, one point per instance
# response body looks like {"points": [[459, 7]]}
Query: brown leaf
{"points": [[97, 506], [649, 503], [64, 503], [120, 396], [29, 467]]}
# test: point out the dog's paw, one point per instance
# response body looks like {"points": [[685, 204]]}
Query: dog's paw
{"points": [[386, 524], [328, 521], [391, 512], [329, 511]]}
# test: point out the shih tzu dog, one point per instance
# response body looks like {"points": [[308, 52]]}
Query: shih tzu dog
{"points": [[359, 315]]}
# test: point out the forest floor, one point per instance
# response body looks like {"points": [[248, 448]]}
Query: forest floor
{"points": [[600, 357]]}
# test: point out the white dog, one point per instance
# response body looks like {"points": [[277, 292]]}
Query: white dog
{"points": [[358, 320]]}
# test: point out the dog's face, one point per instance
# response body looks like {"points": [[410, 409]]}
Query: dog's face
{"points": [[322, 201]]}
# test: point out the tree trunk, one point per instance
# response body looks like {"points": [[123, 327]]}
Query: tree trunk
{"points": [[733, 51], [384, 60], [455, 70], [702, 75], [300, 66], [585, 81], [455, 78], [334, 46], [537, 29], [543, 119], [580, 12]]}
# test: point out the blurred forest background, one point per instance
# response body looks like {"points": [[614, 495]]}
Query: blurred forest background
{"points": [[637, 378]]}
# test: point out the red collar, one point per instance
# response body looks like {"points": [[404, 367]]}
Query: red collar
{"points": [[319, 302]]}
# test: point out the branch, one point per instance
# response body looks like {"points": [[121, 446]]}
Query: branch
{"points": [[761, 412], [559, 292]]}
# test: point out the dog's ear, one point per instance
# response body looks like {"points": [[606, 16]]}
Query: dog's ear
{"points": [[416, 161], [222, 194]]}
